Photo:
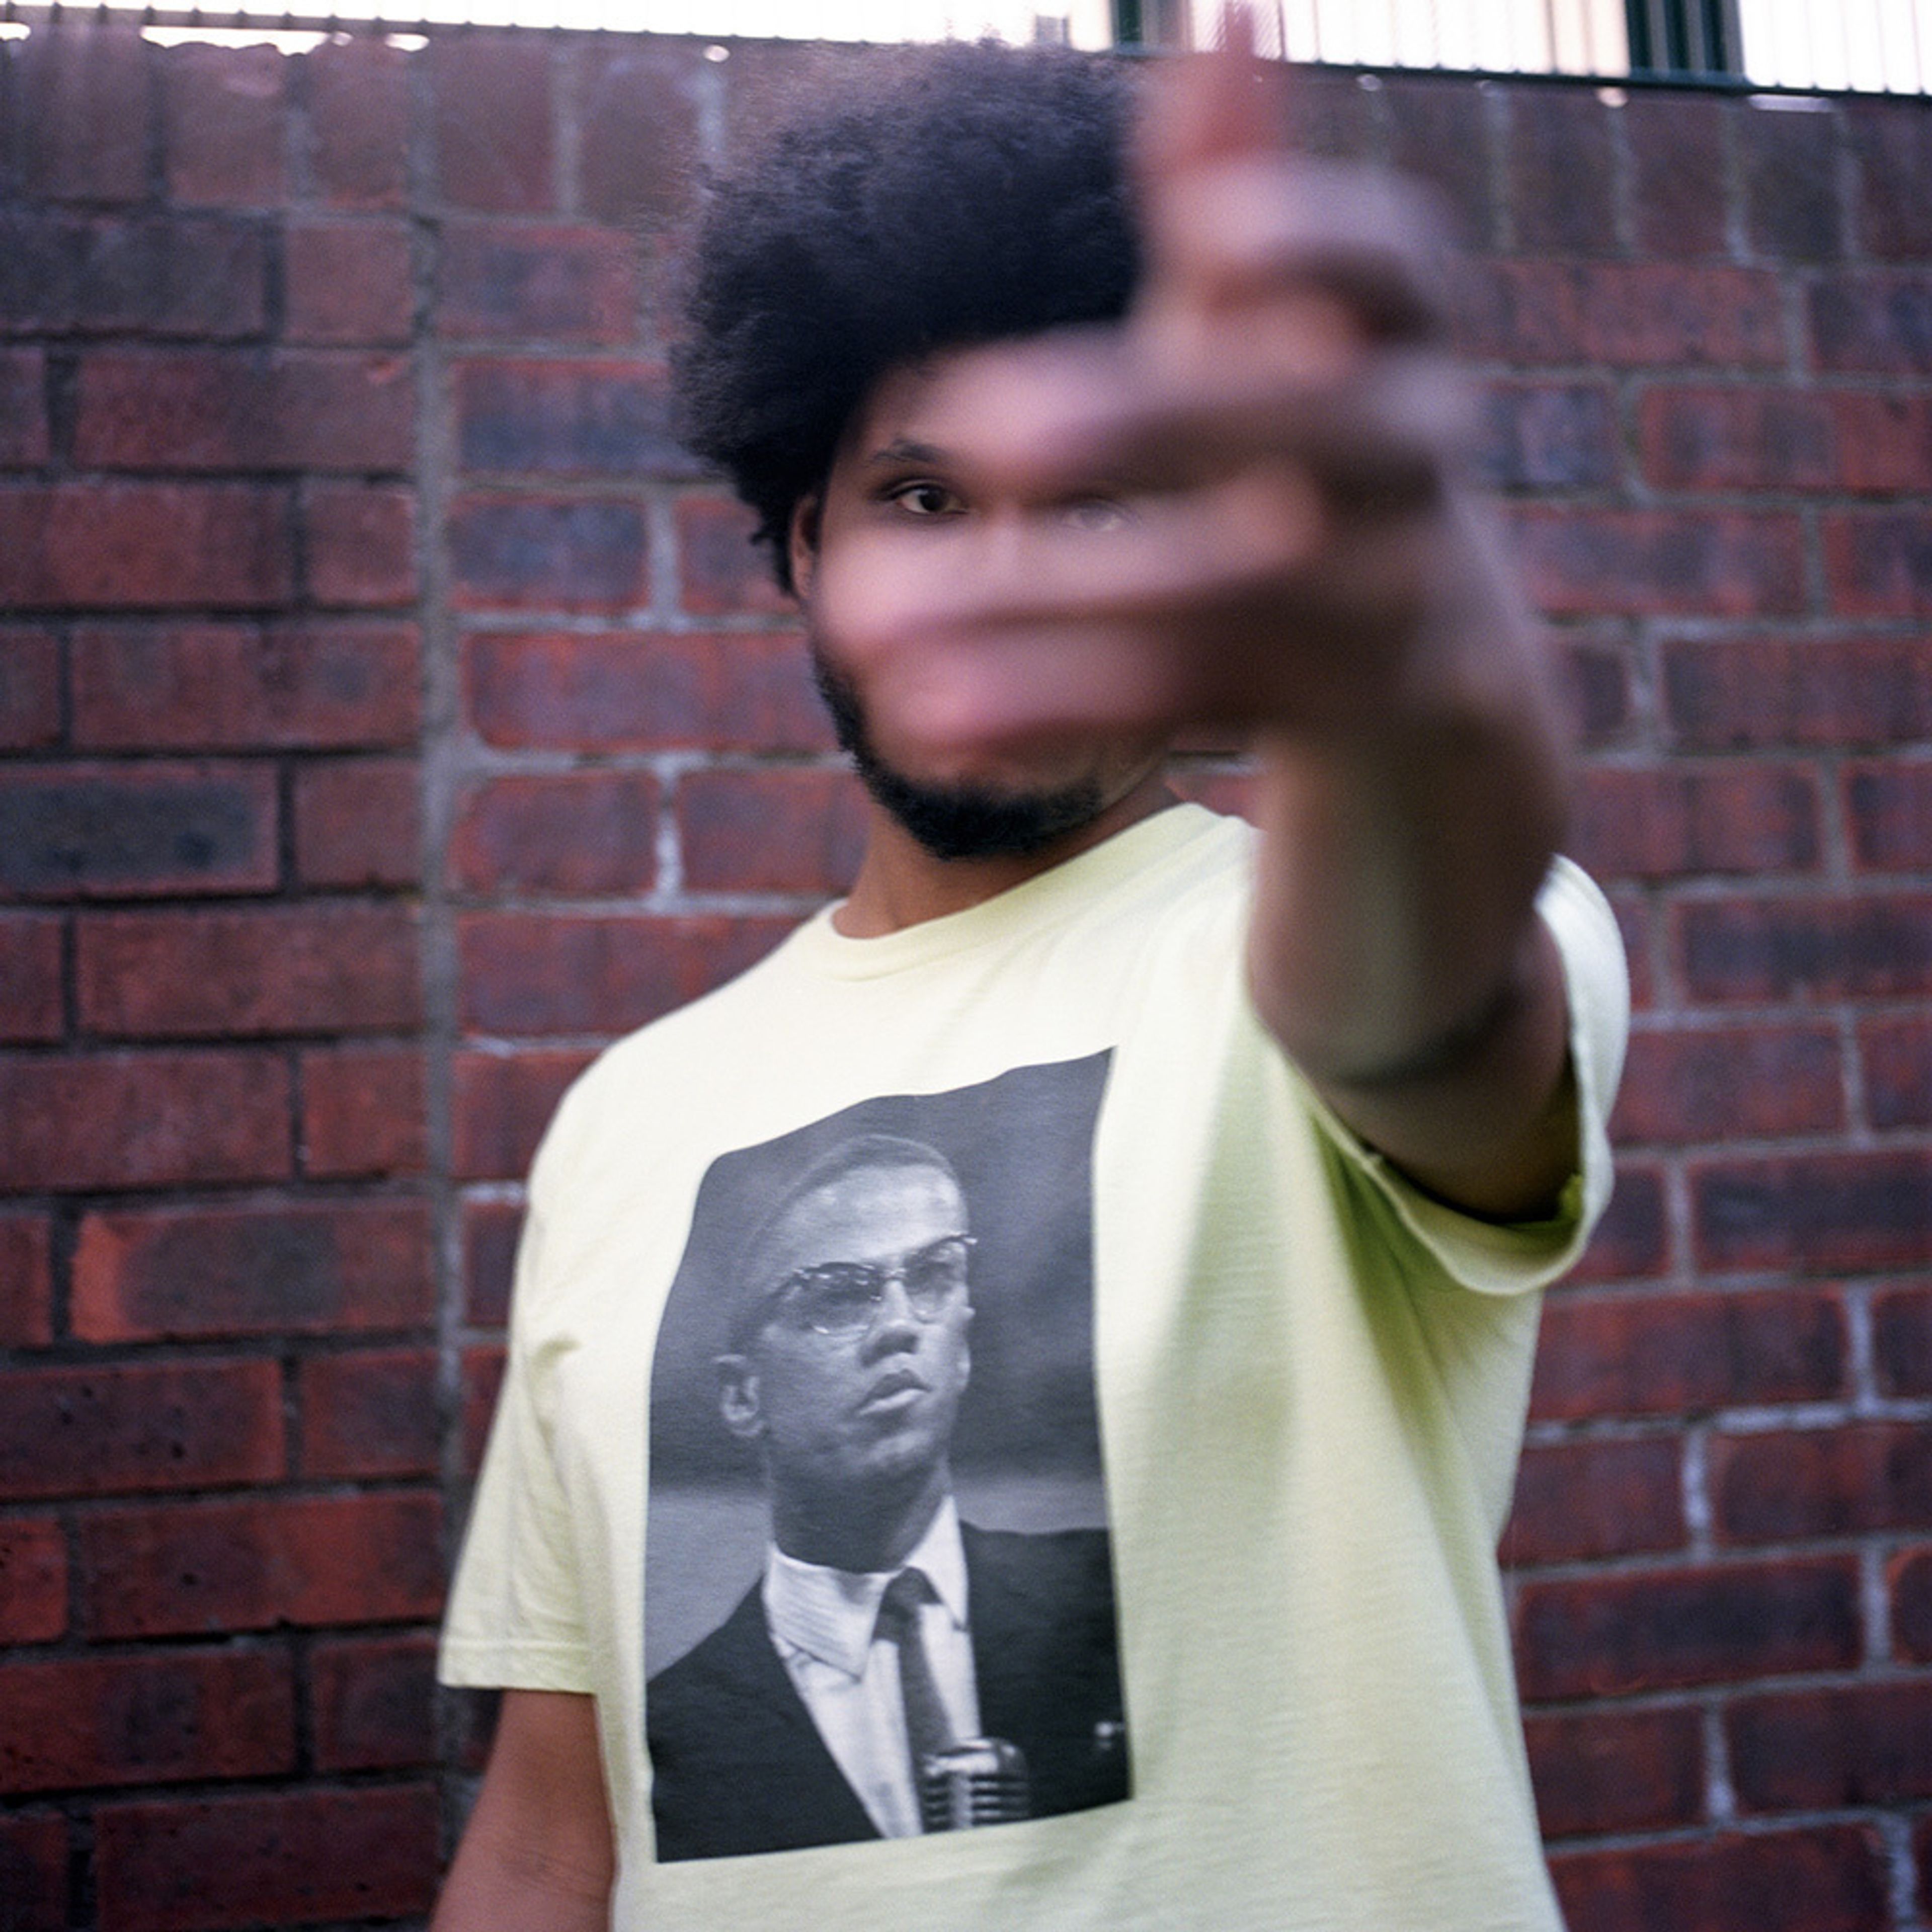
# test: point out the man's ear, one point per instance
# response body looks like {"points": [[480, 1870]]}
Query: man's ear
{"points": [[802, 543], [738, 1396]]}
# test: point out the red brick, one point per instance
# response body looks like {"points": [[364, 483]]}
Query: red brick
{"points": [[1599, 1771], [1829, 1879], [1910, 1576], [183, 1569], [213, 546], [1826, 1749], [33, 1871], [1890, 807], [1661, 563], [1819, 948], [1633, 315], [88, 831], [374, 1700], [1878, 322], [1580, 1502], [363, 1112], [199, 1864], [538, 283], [143, 1119], [527, 552], [26, 1281], [729, 821], [24, 443], [525, 973], [500, 1104], [200, 275], [566, 419], [482, 1381], [361, 552], [230, 408], [637, 130], [325, 1267], [32, 1004], [225, 123], [1594, 681], [1609, 1635], [1548, 436], [1687, 1354], [84, 112], [494, 146], [359, 823], [358, 104], [1675, 149], [1791, 205], [81, 1431], [720, 574], [1902, 1340], [1827, 692], [643, 692], [577, 832], [369, 1412], [349, 283], [1816, 1214], [1891, 145], [1559, 171], [156, 1718], [1442, 134], [1850, 1480], [1652, 823], [219, 973], [1735, 439], [229, 687], [1721, 1083], [1879, 563], [1884, 442], [490, 1231], [1633, 1239], [33, 1587], [30, 689]]}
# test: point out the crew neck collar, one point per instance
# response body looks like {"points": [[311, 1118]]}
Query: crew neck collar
{"points": [[1147, 842]]}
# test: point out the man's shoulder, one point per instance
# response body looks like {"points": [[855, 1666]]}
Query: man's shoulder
{"points": [[1052, 1563], [718, 1664]]}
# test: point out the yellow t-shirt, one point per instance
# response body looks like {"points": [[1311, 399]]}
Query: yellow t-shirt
{"points": [[1207, 1322]]}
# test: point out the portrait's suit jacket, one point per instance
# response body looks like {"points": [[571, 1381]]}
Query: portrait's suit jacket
{"points": [[739, 1766]]}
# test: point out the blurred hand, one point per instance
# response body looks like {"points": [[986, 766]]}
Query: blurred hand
{"points": [[1244, 502]]}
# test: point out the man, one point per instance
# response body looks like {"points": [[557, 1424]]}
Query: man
{"points": [[883, 1631], [1355, 1065]]}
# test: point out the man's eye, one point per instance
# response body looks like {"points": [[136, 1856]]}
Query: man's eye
{"points": [[1096, 515], [924, 499]]}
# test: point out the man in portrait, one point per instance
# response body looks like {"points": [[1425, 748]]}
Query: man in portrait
{"points": [[1080, 415], [884, 1633]]}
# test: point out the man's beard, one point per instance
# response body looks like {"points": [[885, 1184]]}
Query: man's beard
{"points": [[953, 821]]}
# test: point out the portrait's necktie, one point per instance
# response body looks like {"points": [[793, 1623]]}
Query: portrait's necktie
{"points": [[927, 1729]]}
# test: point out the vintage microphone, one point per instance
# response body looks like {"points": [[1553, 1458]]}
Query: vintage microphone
{"points": [[980, 1781]]}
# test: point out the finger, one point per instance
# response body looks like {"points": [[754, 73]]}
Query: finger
{"points": [[1091, 421]]}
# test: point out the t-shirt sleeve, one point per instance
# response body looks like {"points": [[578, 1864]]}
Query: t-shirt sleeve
{"points": [[515, 1619], [1507, 1258]]}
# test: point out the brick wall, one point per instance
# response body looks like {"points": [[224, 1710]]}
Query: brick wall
{"points": [[392, 715]]}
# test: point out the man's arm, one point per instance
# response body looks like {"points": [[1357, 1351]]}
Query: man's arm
{"points": [[537, 1856], [1300, 559]]}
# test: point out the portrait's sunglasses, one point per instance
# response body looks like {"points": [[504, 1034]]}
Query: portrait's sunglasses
{"points": [[844, 1298]]}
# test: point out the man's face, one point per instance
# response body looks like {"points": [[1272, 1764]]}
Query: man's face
{"points": [[873, 1402], [899, 515]]}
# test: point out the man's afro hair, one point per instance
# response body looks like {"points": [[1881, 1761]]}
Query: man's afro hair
{"points": [[968, 193]]}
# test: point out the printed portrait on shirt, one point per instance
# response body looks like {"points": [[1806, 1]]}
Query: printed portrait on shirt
{"points": [[878, 1584]]}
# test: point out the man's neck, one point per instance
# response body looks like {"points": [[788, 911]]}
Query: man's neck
{"points": [[901, 883], [860, 1533]]}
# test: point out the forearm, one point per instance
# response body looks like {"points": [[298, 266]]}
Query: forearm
{"points": [[1394, 950]]}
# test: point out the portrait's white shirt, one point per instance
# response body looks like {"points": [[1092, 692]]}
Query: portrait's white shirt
{"points": [[823, 1625]]}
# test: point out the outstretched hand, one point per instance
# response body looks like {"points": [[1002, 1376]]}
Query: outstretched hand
{"points": [[1245, 509]]}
